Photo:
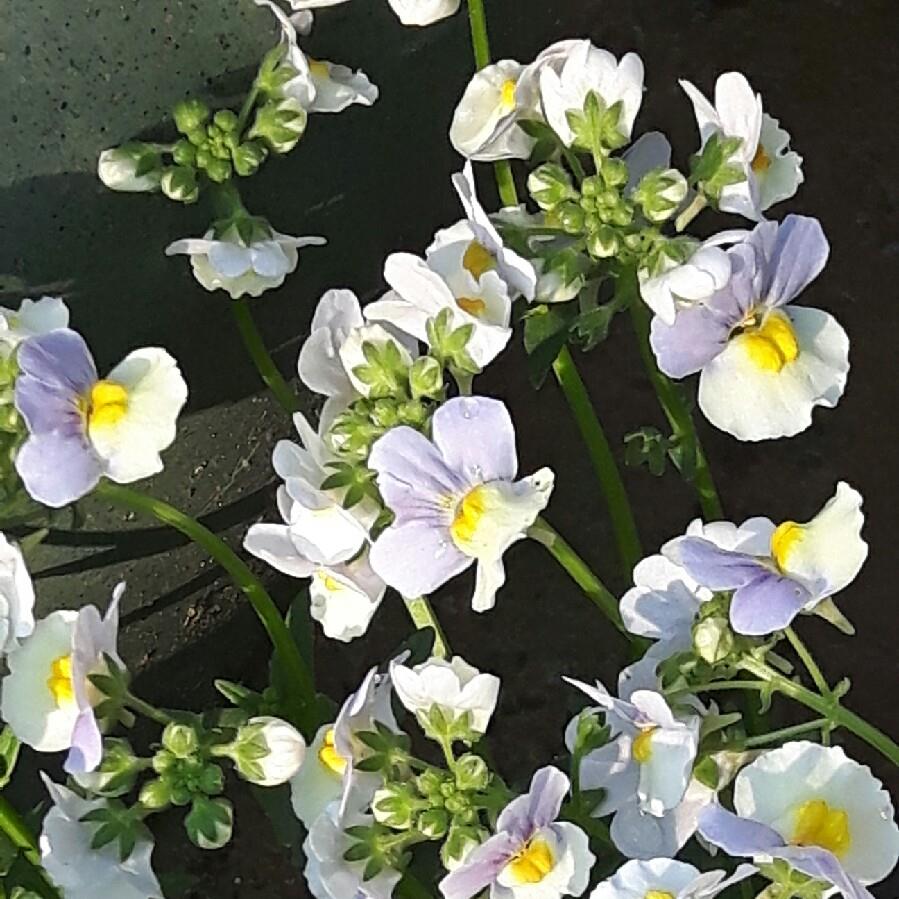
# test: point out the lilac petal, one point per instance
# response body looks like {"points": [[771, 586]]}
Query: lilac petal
{"points": [[409, 458], [823, 865], [59, 359], [57, 469], [538, 808], [697, 336], [480, 868], [416, 558], [735, 835], [48, 407], [711, 566], [476, 438], [767, 604], [86, 752], [800, 253]]}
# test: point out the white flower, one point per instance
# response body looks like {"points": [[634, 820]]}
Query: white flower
{"points": [[352, 352], [421, 290], [484, 124], [772, 172], [588, 69], [227, 263], [455, 687], [344, 598], [117, 169], [284, 746], [82, 872], [16, 597], [659, 878], [337, 87], [47, 698], [423, 12], [33, 317], [319, 780]]}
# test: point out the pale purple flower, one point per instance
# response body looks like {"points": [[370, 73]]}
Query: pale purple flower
{"points": [[530, 846], [455, 499]]}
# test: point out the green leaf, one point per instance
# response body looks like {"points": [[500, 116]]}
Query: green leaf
{"points": [[546, 331], [646, 446], [707, 773], [592, 325], [9, 754]]}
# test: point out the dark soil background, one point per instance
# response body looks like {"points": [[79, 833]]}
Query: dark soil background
{"points": [[80, 76]]}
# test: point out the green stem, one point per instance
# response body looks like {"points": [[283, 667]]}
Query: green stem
{"points": [[675, 409], [247, 107], [135, 703], [808, 660], [20, 835], [603, 461], [301, 701], [544, 533], [785, 733], [423, 616], [265, 365]]}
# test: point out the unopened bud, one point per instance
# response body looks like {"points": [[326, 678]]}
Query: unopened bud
{"points": [[189, 115], [180, 184], [713, 639], [550, 184], [280, 124]]}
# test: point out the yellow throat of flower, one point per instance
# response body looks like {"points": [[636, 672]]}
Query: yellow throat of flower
{"points": [[331, 584], [319, 69], [818, 824], [507, 94], [641, 748], [772, 344], [784, 539], [659, 894], [477, 260], [533, 863], [761, 162], [468, 516], [60, 683], [330, 757], [472, 305], [106, 404]]}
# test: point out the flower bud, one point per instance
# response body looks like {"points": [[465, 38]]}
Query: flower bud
{"points": [[189, 115], [268, 751], [433, 823], [459, 843], [180, 184], [426, 377], [660, 192], [116, 772], [226, 120], [131, 168], [156, 794], [603, 243], [571, 218], [394, 806], [614, 171], [218, 170], [429, 782], [280, 124], [180, 740], [472, 773], [550, 184], [248, 157], [713, 639]]}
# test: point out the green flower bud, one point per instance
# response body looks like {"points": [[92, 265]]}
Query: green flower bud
{"points": [[180, 740], [592, 185], [459, 842], [614, 171], [429, 782], [394, 806], [156, 794], [660, 192], [218, 170], [189, 115], [426, 377], [433, 823], [571, 218], [713, 640], [226, 120], [209, 822], [197, 137], [603, 243], [472, 773], [248, 156], [180, 184], [457, 804], [116, 773], [185, 153], [280, 124], [550, 184]]}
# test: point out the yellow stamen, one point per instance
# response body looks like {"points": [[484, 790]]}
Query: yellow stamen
{"points": [[330, 757], [477, 260], [507, 94], [641, 748], [533, 863], [784, 538], [659, 894], [60, 681], [468, 515], [761, 162], [319, 69], [472, 305], [817, 824], [773, 344], [107, 404]]}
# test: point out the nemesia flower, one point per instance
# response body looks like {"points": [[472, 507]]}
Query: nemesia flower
{"points": [[284, 748], [82, 872], [81, 427], [423, 12], [47, 698], [16, 597], [773, 173], [33, 317], [454, 686], [660, 878], [531, 854], [344, 598], [328, 874], [783, 570], [587, 68], [455, 499], [227, 263], [764, 365], [817, 809], [319, 780], [484, 126]]}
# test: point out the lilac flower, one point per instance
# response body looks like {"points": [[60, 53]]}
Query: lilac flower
{"points": [[529, 847], [783, 570], [83, 428], [764, 367], [455, 499]]}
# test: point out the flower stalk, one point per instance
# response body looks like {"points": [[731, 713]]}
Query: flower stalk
{"points": [[423, 616]]}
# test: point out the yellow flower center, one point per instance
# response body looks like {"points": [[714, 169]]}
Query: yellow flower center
{"points": [[641, 748], [784, 538], [60, 681], [817, 824], [761, 162], [472, 305], [106, 405], [331, 584], [533, 863], [330, 757], [772, 344], [468, 515], [507, 94], [319, 69], [477, 260], [659, 894]]}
